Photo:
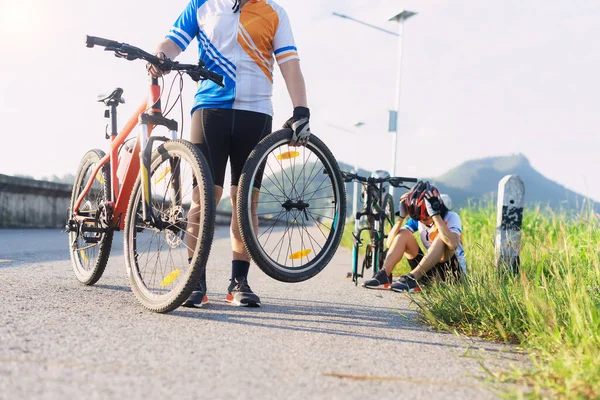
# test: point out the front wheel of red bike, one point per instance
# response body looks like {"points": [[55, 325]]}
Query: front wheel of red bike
{"points": [[183, 207]]}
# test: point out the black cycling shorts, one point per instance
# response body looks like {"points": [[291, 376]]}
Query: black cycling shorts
{"points": [[440, 271], [223, 134]]}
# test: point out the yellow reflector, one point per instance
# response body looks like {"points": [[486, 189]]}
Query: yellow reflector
{"points": [[100, 178], [298, 255], [287, 155], [170, 278], [161, 176], [83, 255]]}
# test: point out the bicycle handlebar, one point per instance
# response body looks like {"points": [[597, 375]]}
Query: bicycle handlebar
{"points": [[196, 71], [395, 181]]}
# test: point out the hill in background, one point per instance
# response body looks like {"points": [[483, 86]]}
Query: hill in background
{"points": [[477, 181]]}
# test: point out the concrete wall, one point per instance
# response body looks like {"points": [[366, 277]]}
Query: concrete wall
{"points": [[29, 203]]}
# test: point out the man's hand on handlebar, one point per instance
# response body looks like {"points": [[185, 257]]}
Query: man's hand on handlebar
{"points": [[153, 70]]}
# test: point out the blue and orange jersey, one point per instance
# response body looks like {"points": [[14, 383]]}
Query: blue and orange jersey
{"points": [[242, 46]]}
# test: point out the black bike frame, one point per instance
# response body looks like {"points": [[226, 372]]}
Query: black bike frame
{"points": [[375, 228]]}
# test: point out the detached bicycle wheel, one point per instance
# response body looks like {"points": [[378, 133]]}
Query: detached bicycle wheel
{"points": [[293, 224], [157, 250], [89, 242]]}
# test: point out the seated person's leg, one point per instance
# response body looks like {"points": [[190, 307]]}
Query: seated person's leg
{"points": [[403, 243], [435, 254]]}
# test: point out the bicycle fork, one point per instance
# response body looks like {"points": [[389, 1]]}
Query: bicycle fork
{"points": [[147, 123]]}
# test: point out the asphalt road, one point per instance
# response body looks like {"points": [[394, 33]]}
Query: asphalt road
{"points": [[320, 339]]}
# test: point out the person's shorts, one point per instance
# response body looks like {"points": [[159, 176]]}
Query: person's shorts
{"points": [[447, 270], [223, 134]]}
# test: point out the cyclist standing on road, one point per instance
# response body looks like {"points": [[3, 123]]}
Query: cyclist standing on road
{"points": [[440, 231], [241, 40]]}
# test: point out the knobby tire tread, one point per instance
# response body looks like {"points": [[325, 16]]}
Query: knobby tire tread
{"points": [[105, 244], [203, 245], [245, 221]]}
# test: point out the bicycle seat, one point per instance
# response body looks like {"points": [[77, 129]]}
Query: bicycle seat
{"points": [[113, 97]]}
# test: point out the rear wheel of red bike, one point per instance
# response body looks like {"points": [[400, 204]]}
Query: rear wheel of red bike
{"points": [[89, 241]]}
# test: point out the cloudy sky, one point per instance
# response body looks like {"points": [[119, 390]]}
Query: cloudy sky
{"points": [[479, 79]]}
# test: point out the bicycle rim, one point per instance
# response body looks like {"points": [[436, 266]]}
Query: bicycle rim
{"points": [[158, 251], [90, 250], [300, 209]]}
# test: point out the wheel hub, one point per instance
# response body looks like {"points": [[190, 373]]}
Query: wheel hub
{"points": [[297, 205]]}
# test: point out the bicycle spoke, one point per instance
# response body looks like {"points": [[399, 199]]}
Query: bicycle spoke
{"points": [[313, 192]]}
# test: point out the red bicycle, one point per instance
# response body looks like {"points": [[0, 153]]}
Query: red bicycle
{"points": [[157, 189]]}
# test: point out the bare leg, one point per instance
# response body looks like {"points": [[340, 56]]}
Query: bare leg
{"points": [[437, 252], [237, 245], [193, 218], [403, 243]]}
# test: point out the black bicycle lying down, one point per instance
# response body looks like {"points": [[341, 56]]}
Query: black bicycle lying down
{"points": [[378, 208]]}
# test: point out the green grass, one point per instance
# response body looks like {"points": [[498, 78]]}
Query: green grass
{"points": [[551, 309]]}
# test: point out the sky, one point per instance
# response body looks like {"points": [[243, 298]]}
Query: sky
{"points": [[479, 79]]}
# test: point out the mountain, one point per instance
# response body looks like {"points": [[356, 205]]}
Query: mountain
{"points": [[477, 180]]}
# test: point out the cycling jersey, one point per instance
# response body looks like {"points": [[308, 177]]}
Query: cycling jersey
{"points": [[242, 46], [429, 233]]}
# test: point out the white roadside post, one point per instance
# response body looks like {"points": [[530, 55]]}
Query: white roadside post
{"points": [[511, 194]]}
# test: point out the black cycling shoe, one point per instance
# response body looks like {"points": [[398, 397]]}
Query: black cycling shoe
{"points": [[381, 280], [198, 297], [240, 294]]}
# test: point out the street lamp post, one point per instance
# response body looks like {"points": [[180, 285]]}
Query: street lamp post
{"points": [[400, 18], [356, 158], [394, 122]]}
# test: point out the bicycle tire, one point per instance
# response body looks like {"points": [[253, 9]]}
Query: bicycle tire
{"points": [[176, 273], [387, 221], [258, 160], [355, 252], [89, 266]]}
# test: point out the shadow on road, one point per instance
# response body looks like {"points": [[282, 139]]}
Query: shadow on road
{"points": [[321, 317], [331, 318]]}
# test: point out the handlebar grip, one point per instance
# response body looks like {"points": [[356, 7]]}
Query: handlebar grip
{"points": [[91, 41], [216, 78]]}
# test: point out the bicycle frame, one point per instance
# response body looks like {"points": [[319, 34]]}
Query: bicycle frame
{"points": [[148, 115], [376, 232]]}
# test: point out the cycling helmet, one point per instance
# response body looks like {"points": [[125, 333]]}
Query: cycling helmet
{"points": [[415, 201], [381, 174]]}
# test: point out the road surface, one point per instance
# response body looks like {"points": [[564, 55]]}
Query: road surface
{"points": [[320, 339]]}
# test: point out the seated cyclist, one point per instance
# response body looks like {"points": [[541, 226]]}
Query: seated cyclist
{"points": [[440, 231]]}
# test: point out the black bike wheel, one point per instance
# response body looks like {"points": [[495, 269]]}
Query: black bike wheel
{"points": [[294, 225], [387, 221], [90, 250], [156, 252]]}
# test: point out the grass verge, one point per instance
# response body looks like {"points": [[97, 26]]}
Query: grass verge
{"points": [[551, 309]]}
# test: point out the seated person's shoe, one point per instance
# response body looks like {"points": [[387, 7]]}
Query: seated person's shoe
{"points": [[406, 283], [381, 280]]}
